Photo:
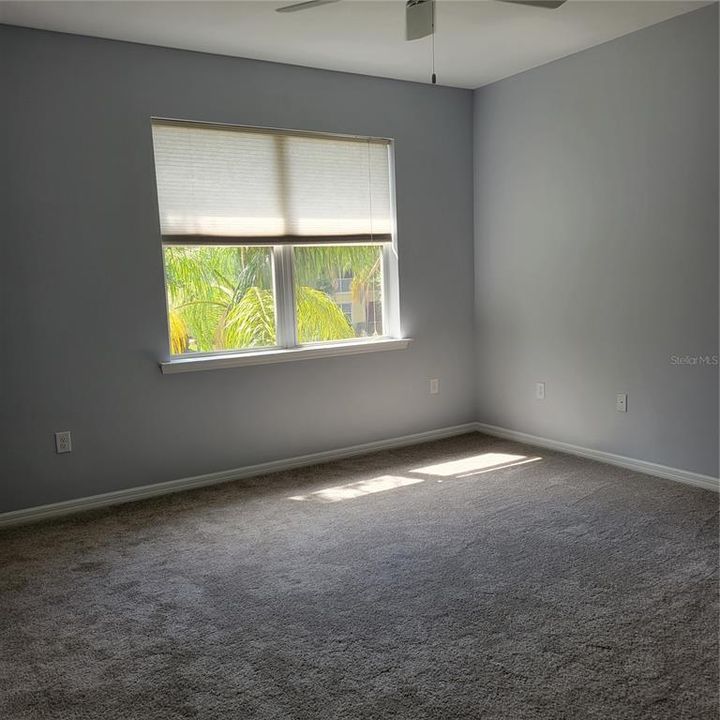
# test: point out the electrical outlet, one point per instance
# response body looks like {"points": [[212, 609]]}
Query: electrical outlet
{"points": [[540, 390], [63, 442], [621, 402], [434, 386]]}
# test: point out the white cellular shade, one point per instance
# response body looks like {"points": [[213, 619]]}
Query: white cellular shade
{"points": [[337, 187], [233, 184]]}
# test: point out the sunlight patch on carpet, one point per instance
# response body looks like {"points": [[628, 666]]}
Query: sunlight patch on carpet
{"points": [[358, 489], [475, 464]]}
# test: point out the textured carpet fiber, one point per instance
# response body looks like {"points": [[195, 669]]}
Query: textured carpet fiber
{"points": [[466, 578]]}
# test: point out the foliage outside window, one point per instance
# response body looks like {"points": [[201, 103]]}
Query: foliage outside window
{"points": [[222, 298]]}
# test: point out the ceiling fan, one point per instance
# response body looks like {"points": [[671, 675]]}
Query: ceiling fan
{"points": [[419, 14]]}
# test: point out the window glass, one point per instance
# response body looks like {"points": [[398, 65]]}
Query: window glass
{"points": [[338, 292], [219, 298]]}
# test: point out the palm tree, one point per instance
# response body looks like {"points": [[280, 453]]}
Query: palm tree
{"points": [[221, 298]]}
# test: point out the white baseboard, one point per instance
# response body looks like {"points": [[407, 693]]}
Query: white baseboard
{"points": [[69, 507], [663, 471]]}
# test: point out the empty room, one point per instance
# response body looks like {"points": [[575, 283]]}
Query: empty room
{"points": [[360, 360]]}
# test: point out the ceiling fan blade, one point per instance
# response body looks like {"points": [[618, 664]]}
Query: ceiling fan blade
{"points": [[549, 4], [419, 19], [304, 5]]}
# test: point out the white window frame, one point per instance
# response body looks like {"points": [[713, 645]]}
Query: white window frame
{"points": [[287, 347]]}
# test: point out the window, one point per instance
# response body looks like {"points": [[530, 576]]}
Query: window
{"points": [[344, 283], [274, 239], [347, 311]]}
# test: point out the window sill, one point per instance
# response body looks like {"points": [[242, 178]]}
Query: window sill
{"points": [[266, 357]]}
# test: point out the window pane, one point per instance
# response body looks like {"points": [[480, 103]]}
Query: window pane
{"points": [[338, 292], [219, 298]]}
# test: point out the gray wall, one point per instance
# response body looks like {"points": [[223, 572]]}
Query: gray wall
{"points": [[596, 259], [596, 221], [83, 323]]}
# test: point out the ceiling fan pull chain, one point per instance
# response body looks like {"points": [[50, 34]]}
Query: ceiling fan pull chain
{"points": [[432, 35]]}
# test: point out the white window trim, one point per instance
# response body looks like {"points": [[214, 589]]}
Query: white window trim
{"points": [[214, 361], [287, 348], [284, 289]]}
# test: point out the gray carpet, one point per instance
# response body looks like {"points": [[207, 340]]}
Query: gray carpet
{"points": [[500, 588]]}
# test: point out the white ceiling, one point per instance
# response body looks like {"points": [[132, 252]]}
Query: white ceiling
{"points": [[477, 41]]}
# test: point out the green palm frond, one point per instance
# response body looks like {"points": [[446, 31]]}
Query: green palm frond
{"points": [[250, 322], [332, 261], [319, 318]]}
